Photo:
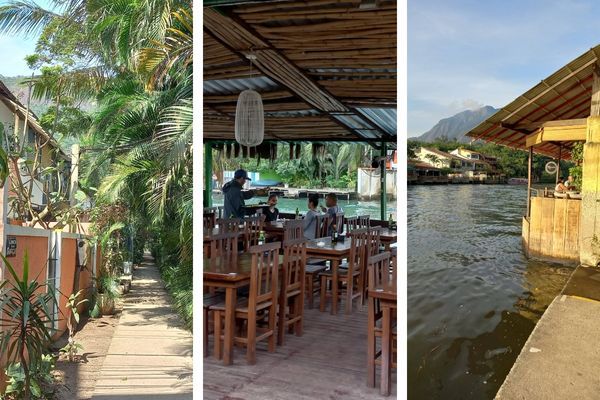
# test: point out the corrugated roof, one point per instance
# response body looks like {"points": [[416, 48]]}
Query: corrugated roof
{"points": [[566, 94], [234, 86], [384, 118]]}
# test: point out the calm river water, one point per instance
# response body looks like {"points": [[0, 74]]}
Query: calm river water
{"points": [[473, 297]]}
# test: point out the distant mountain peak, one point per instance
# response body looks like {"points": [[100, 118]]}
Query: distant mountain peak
{"points": [[455, 127]]}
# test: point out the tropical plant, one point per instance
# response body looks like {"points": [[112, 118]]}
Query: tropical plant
{"points": [[72, 346], [37, 383], [26, 322]]}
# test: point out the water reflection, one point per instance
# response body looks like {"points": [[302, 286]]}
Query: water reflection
{"points": [[473, 298]]}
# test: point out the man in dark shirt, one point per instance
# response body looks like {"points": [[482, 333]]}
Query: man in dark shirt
{"points": [[271, 212], [234, 196]]}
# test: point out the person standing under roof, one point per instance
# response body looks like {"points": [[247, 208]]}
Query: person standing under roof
{"points": [[332, 209], [310, 219], [234, 196]]}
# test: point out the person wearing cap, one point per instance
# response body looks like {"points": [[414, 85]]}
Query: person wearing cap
{"points": [[234, 196]]}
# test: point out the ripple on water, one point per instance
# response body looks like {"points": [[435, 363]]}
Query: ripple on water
{"points": [[473, 298]]}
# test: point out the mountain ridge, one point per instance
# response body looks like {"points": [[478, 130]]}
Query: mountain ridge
{"points": [[455, 127]]}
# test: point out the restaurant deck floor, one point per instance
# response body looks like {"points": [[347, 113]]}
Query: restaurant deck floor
{"points": [[328, 362]]}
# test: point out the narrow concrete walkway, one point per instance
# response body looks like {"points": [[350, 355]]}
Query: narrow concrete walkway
{"points": [[150, 355], [561, 358]]}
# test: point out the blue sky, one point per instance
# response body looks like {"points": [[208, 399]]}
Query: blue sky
{"points": [[15, 48], [464, 54]]}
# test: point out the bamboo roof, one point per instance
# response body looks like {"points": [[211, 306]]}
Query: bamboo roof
{"points": [[564, 95], [326, 69]]}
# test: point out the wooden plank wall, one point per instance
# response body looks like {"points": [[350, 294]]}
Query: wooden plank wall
{"points": [[553, 229]]}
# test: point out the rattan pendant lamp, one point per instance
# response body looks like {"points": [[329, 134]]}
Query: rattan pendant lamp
{"points": [[249, 116]]}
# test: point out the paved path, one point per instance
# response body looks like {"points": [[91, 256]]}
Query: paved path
{"points": [[150, 355], [561, 358]]}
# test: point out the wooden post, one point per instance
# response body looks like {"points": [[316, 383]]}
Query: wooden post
{"points": [[589, 226], [595, 104], [558, 163], [208, 174], [529, 181], [383, 181]]}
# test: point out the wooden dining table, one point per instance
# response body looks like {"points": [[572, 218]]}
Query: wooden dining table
{"points": [[386, 294], [388, 236], [229, 273], [335, 254]]}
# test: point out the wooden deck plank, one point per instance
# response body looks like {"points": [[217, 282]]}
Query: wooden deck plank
{"points": [[328, 362]]}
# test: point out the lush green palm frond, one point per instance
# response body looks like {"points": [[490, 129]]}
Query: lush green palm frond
{"points": [[24, 17], [174, 137], [79, 85], [172, 56]]}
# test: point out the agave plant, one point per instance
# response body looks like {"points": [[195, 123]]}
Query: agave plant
{"points": [[26, 321]]}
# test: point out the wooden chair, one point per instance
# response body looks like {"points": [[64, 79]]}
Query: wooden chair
{"points": [[229, 224], [262, 298], [364, 221], [293, 229], [209, 220], [350, 276], [339, 222], [291, 298], [379, 275], [322, 227], [373, 248], [351, 224], [252, 228], [220, 211], [224, 245], [374, 240], [209, 300]]}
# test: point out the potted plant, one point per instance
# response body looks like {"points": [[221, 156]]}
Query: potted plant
{"points": [[108, 292]]}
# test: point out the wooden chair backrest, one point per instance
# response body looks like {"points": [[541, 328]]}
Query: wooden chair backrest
{"points": [[229, 224], [351, 224], [294, 262], [224, 245], [293, 229], [209, 220], [364, 221], [394, 262], [339, 222], [252, 228], [322, 227], [209, 210], [374, 240], [264, 273], [378, 267], [358, 250]]}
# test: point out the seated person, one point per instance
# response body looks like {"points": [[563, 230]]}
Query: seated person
{"points": [[570, 183], [332, 209], [310, 219], [271, 212], [560, 187]]}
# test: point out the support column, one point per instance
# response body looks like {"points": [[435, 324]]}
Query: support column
{"points": [[383, 181], [208, 174], [558, 164], [529, 181], [589, 223]]}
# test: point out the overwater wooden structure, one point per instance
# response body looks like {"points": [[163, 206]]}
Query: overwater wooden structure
{"points": [[549, 119], [326, 71]]}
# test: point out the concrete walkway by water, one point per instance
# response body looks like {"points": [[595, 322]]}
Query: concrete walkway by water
{"points": [[561, 358], [150, 356]]}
